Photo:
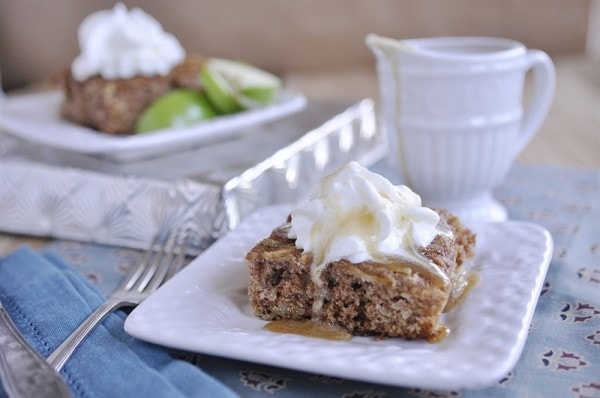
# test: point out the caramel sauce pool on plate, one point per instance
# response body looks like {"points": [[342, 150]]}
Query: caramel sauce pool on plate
{"points": [[309, 328]]}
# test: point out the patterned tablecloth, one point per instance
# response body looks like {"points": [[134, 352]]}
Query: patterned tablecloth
{"points": [[562, 353]]}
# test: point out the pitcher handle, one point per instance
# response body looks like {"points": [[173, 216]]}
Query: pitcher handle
{"points": [[544, 82]]}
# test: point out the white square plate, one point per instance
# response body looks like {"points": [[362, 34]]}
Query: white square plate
{"points": [[205, 309], [35, 117]]}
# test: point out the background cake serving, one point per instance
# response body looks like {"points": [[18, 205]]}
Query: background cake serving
{"points": [[133, 77]]}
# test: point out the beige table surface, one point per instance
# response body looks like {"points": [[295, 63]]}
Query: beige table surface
{"points": [[570, 136]]}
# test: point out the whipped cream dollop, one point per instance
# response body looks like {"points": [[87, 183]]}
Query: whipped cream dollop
{"points": [[121, 44], [358, 215]]}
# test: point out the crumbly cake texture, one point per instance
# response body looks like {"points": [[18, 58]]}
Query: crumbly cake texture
{"points": [[368, 298], [113, 106]]}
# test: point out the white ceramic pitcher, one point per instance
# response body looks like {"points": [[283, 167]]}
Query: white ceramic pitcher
{"points": [[453, 111]]}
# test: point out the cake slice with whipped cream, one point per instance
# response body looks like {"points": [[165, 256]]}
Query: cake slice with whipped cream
{"points": [[363, 255], [126, 62]]}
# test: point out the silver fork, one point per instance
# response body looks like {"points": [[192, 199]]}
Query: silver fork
{"points": [[155, 267]]}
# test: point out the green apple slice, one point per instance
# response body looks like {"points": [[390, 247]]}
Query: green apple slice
{"points": [[177, 108], [232, 86]]}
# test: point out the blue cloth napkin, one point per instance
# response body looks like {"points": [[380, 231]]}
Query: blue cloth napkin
{"points": [[47, 300]]}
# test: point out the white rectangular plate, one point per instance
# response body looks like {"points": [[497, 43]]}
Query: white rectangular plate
{"points": [[205, 309], [35, 117]]}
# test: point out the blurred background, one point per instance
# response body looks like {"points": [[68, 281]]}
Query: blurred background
{"points": [[318, 47], [38, 37]]}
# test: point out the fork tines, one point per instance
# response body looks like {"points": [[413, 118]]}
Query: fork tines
{"points": [[163, 260]]}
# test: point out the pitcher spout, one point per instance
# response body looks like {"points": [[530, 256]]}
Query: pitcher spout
{"points": [[387, 44]]}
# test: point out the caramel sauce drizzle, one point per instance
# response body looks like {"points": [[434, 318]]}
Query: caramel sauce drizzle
{"points": [[461, 286], [459, 293], [309, 328]]}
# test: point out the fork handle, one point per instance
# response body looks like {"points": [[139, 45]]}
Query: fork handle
{"points": [[23, 372], [62, 354]]}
